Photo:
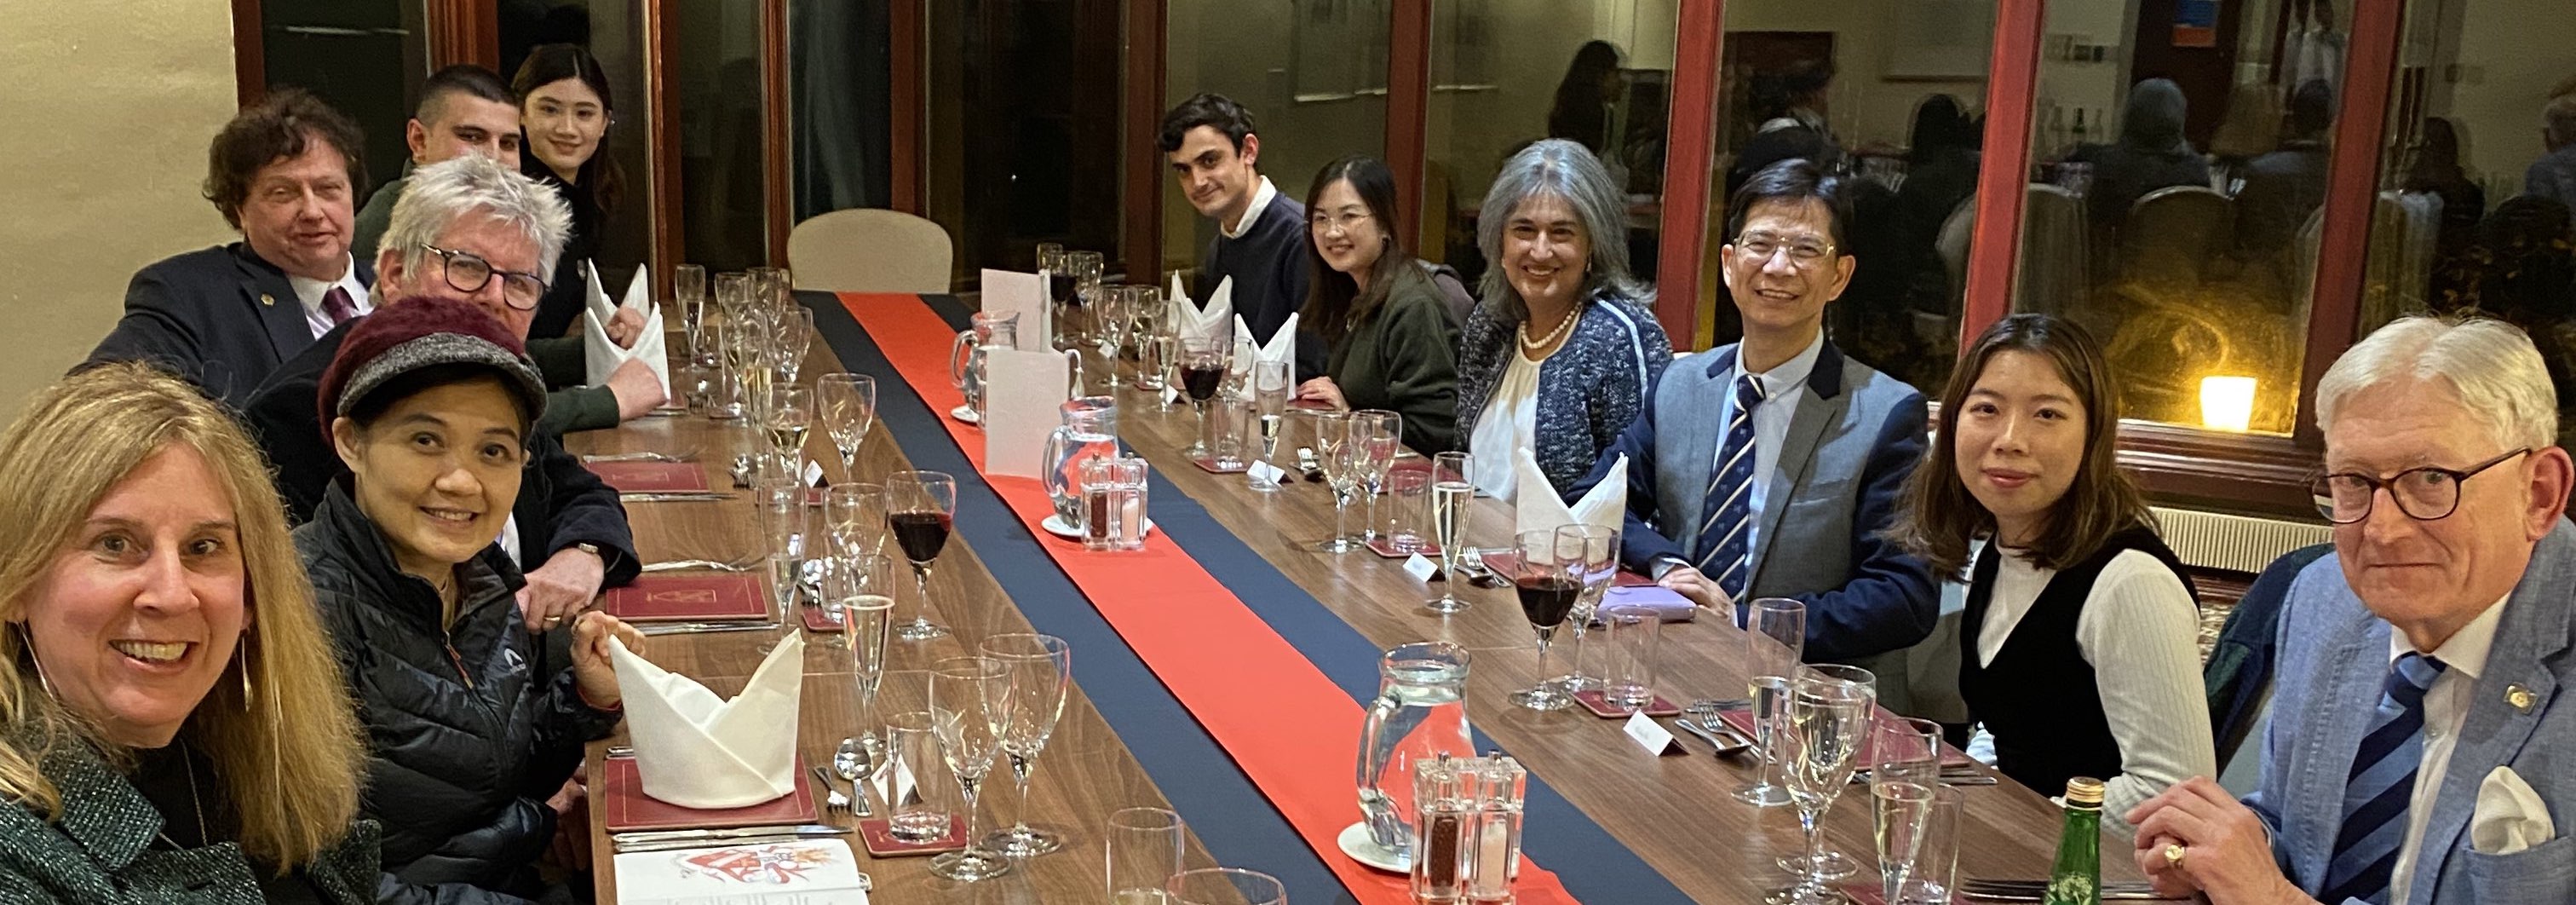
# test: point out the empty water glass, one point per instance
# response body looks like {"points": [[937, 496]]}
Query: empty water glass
{"points": [[1918, 842], [1144, 848], [916, 780], [1635, 635], [1224, 886]]}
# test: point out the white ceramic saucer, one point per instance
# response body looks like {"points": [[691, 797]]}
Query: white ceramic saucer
{"points": [[1055, 525], [1357, 843], [964, 413]]}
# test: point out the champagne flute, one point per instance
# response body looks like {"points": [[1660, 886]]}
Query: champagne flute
{"points": [[787, 416], [921, 508], [1334, 452], [1203, 364], [1452, 501], [970, 709], [1380, 436], [689, 288], [848, 403], [1109, 321], [1824, 864], [861, 591], [1600, 570], [1775, 636], [1270, 386], [1547, 579], [1041, 667], [1829, 716]]}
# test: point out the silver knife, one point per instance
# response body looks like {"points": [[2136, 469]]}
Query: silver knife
{"points": [[677, 565], [690, 628], [1723, 748], [673, 496], [735, 832]]}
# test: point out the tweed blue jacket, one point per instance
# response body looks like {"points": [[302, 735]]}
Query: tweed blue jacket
{"points": [[1588, 392]]}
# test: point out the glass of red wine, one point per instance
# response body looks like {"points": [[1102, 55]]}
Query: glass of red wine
{"points": [[921, 507], [1548, 579], [1203, 365]]}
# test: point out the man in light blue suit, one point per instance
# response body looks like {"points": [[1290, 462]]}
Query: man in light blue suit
{"points": [[1771, 467], [2424, 669]]}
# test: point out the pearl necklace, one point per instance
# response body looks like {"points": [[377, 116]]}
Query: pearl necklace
{"points": [[1553, 335]]}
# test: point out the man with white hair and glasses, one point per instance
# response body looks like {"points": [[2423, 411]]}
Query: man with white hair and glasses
{"points": [[469, 228], [2419, 753]]}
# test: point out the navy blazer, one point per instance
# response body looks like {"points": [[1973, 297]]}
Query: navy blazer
{"points": [[1856, 436], [560, 503], [2333, 658], [220, 317]]}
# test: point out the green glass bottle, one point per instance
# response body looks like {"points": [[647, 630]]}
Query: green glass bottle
{"points": [[2077, 878]]}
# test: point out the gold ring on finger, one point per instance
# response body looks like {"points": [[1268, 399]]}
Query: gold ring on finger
{"points": [[2174, 852]]}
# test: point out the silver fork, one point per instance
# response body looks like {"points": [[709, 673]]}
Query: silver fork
{"points": [[833, 800]]}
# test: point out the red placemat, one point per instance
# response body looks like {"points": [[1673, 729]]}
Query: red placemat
{"points": [[682, 598], [1209, 464], [626, 807], [651, 477], [878, 835]]}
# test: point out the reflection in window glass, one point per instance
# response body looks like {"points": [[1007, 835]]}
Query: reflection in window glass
{"points": [[1023, 102], [365, 59], [2478, 174], [2177, 197], [1504, 74], [1312, 72], [1892, 94], [722, 169]]}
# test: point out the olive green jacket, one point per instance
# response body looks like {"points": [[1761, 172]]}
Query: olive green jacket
{"points": [[101, 851], [1403, 359]]}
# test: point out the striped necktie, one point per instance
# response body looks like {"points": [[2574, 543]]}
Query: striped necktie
{"points": [[2381, 784], [1725, 548]]}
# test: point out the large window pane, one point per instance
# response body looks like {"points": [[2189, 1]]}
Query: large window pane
{"points": [[1313, 73], [1505, 73], [1023, 125], [2181, 153], [723, 172], [613, 31], [1891, 93], [2477, 173]]}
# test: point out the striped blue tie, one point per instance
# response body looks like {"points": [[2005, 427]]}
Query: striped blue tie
{"points": [[2382, 783], [1725, 548]]}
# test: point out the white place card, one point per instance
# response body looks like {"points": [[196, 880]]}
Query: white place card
{"points": [[1266, 472], [813, 473], [1023, 391], [1422, 569], [1024, 293], [1650, 735], [1171, 395]]}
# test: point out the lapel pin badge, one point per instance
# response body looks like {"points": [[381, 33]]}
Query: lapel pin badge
{"points": [[2519, 697], [267, 299]]}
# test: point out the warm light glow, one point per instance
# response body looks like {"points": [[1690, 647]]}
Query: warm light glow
{"points": [[2227, 403]]}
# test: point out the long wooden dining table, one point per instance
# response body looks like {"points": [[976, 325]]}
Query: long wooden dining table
{"points": [[1609, 821]]}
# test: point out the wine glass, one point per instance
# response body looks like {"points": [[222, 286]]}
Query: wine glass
{"points": [[1829, 717], [1599, 571], [1270, 387], [970, 708], [1085, 268], [1379, 434], [1224, 886], [1775, 635], [1338, 455], [848, 403], [855, 514], [1040, 666], [1819, 864], [1203, 364], [787, 415], [791, 335], [1109, 321], [689, 288], [860, 589], [921, 508], [1548, 579], [1452, 500]]}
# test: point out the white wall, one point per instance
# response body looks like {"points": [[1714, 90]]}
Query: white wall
{"points": [[111, 106], [2508, 55]]}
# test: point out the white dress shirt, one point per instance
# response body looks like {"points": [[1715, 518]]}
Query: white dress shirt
{"points": [[2446, 708], [311, 291], [1782, 387], [1260, 201], [1508, 425], [2140, 631]]}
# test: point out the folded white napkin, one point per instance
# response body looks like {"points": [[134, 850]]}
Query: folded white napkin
{"points": [[695, 750], [1282, 345], [600, 355], [2510, 817], [1541, 507], [1213, 321]]}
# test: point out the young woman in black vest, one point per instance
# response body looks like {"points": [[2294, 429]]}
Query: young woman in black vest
{"points": [[2080, 648]]}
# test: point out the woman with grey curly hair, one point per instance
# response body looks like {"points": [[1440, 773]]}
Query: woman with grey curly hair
{"points": [[1564, 336]]}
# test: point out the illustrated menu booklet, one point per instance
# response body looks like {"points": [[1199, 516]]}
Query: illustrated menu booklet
{"points": [[800, 872]]}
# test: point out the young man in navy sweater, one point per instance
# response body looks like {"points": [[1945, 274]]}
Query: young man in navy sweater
{"points": [[1261, 234]]}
